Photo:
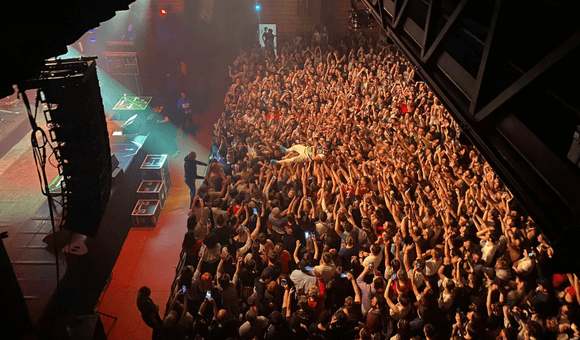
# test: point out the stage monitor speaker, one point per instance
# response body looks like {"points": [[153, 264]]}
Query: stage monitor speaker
{"points": [[80, 129]]}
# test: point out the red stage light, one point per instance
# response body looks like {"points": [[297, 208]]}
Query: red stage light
{"points": [[163, 11]]}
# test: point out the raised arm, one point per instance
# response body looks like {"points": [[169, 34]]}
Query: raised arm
{"points": [[393, 307], [220, 268], [355, 287], [337, 227], [406, 260], [256, 231], [296, 259], [286, 302], [316, 250], [244, 249]]}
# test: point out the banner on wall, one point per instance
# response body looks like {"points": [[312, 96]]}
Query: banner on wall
{"points": [[206, 10]]}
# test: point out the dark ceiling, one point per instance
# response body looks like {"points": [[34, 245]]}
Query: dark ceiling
{"points": [[506, 71], [36, 31]]}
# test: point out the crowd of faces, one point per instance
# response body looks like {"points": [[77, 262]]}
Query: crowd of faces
{"points": [[401, 230]]}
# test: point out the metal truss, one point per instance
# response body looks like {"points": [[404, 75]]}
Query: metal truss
{"points": [[508, 73]]}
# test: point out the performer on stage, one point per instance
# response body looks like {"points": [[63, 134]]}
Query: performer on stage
{"points": [[164, 132], [184, 114], [190, 167]]}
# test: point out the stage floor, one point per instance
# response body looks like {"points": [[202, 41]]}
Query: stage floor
{"points": [[148, 256]]}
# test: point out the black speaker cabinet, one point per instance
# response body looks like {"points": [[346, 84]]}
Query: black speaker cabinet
{"points": [[78, 125]]}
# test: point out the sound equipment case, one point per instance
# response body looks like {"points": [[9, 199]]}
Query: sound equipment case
{"points": [[152, 190], [156, 168], [146, 213]]}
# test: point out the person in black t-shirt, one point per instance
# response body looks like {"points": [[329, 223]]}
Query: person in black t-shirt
{"points": [[223, 230], [346, 253], [332, 240], [163, 132], [149, 311], [222, 327], [190, 166], [321, 329]]}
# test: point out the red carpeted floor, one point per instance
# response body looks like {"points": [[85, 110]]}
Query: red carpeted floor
{"points": [[150, 255]]}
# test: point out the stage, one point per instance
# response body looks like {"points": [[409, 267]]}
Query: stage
{"points": [[25, 217]]}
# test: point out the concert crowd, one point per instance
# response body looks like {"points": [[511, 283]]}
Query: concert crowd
{"points": [[342, 201]]}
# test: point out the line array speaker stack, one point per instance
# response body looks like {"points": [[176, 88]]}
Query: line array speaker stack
{"points": [[122, 64], [76, 118]]}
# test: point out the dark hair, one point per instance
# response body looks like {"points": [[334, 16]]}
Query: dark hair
{"points": [[188, 240], [366, 334], [379, 284], [239, 198], [422, 311], [366, 223], [341, 318], [324, 317], [294, 322], [380, 215], [403, 329], [191, 222], [210, 240], [396, 264], [251, 315], [303, 264], [206, 197], [273, 256], [276, 318], [224, 281], [348, 227], [303, 302], [429, 330], [382, 303], [186, 276], [350, 241], [327, 258], [144, 292], [220, 220]]}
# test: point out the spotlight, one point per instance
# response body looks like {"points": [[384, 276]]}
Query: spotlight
{"points": [[93, 39], [258, 7], [163, 11], [91, 31]]}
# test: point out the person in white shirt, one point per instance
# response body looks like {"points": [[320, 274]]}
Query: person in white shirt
{"points": [[432, 265], [302, 280], [488, 249], [326, 269], [399, 310], [254, 326], [374, 257]]}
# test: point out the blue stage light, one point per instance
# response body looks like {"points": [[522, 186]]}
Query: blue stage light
{"points": [[93, 39], [258, 7]]}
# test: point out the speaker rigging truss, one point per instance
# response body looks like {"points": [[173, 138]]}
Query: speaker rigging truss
{"points": [[507, 71]]}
